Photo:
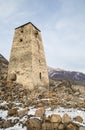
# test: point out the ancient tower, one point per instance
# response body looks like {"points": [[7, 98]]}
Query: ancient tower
{"points": [[27, 64]]}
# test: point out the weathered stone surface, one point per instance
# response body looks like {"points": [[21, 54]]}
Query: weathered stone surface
{"points": [[6, 124], [22, 113], [40, 112], [47, 126], [56, 118], [82, 128], [12, 112], [66, 118], [61, 126], [54, 126], [17, 97], [72, 126], [34, 124], [10, 105], [79, 119], [12, 77], [27, 59]]}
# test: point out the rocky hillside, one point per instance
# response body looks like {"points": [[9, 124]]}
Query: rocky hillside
{"points": [[62, 107], [74, 77], [3, 67]]}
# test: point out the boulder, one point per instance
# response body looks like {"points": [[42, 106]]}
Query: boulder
{"points": [[34, 124], [79, 119], [72, 126], [61, 126], [55, 118], [6, 124], [12, 112], [47, 126], [82, 128], [40, 105], [40, 112], [10, 105], [22, 113], [66, 118]]}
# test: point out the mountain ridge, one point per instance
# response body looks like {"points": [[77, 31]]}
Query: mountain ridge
{"points": [[73, 76], [3, 67]]}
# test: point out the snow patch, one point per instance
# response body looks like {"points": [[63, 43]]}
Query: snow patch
{"points": [[16, 127], [3, 114]]}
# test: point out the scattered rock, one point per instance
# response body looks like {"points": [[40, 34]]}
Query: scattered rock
{"points": [[3, 107], [40, 112], [66, 118], [56, 118], [12, 112], [10, 105], [61, 126], [82, 128], [46, 126], [40, 105], [60, 95], [22, 112], [72, 126], [6, 124], [34, 124], [79, 119], [77, 93]]}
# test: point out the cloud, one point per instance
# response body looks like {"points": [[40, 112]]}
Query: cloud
{"points": [[65, 39], [62, 23], [7, 8]]}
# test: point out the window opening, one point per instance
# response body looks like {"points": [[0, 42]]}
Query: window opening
{"points": [[21, 31], [21, 40], [36, 33], [40, 75]]}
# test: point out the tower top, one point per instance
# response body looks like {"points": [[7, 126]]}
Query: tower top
{"points": [[28, 24]]}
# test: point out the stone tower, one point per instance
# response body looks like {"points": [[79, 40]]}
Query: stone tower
{"points": [[27, 64]]}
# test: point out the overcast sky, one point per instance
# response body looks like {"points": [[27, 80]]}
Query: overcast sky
{"points": [[62, 23]]}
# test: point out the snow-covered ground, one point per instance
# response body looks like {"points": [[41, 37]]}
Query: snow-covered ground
{"points": [[16, 127], [72, 112]]}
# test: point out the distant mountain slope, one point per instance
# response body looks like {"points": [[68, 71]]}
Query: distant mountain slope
{"points": [[75, 77], [3, 67]]}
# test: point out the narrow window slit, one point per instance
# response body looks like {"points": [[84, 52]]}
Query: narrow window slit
{"points": [[40, 75]]}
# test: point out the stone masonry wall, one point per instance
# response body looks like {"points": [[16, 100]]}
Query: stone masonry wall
{"points": [[27, 60], [38, 60]]}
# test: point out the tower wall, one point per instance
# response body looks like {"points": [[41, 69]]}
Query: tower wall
{"points": [[27, 60]]}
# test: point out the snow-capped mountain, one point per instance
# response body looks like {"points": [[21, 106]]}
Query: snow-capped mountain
{"points": [[59, 74]]}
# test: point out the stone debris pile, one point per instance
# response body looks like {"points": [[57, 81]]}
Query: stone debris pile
{"points": [[40, 110]]}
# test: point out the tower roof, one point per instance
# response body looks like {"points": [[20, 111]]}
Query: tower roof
{"points": [[28, 24]]}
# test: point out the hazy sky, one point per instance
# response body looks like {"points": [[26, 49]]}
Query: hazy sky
{"points": [[62, 23]]}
